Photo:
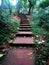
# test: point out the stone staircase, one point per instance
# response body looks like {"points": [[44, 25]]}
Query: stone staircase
{"points": [[22, 52], [24, 35]]}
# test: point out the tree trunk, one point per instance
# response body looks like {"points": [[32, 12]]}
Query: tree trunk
{"points": [[30, 6]]}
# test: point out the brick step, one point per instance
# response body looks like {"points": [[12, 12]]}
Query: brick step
{"points": [[24, 27], [24, 30], [23, 40], [24, 34], [24, 22], [17, 56]]}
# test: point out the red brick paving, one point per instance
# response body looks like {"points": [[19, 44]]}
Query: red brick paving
{"points": [[23, 40], [24, 32], [19, 57]]}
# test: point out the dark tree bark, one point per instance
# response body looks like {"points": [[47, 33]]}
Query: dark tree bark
{"points": [[30, 6]]}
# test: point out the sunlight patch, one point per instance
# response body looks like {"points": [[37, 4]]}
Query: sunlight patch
{"points": [[1, 55], [0, 2], [38, 3], [13, 2]]}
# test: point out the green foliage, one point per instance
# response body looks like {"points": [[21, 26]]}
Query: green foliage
{"points": [[14, 24], [40, 19], [24, 7], [24, 3], [44, 4], [8, 25], [41, 55], [40, 26], [44, 19], [4, 30], [37, 30]]}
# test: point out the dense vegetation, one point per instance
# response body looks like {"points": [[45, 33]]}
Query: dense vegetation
{"points": [[8, 25], [39, 22]]}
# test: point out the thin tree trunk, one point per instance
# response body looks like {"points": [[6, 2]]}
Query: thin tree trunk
{"points": [[30, 6]]}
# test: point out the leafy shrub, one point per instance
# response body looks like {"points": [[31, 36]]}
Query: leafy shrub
{"points": [[44, 4], [40, 26], [41, 55], [40, 20], [14, 24], [7, 26]]}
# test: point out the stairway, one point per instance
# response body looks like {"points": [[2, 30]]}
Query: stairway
{"points": [[24, 35], [21, 52]]}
